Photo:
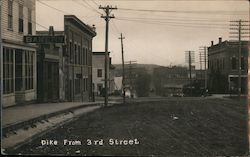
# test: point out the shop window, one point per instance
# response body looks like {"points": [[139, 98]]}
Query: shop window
{"points": [[29, 75], [8, 83], [18, 70]]}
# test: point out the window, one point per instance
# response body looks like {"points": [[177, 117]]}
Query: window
{"points": [[20, 21], [29, 22], [243, 63], [8, 70], [18, 70], [70, 52], [86, 84], [75, 54], [223, 63], [99, 72], [233, 63], [10, 14], [29, 55], [79, 54], [83, 56], [77, 86], [86, 52]]}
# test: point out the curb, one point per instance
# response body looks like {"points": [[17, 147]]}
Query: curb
{"points": [[18, 125]]}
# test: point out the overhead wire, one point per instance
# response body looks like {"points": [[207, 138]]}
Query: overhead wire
{"points": [[62, 11], [91, 7], [192, 12], [95, 3]]}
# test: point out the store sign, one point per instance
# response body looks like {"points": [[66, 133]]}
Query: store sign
{"points": [[44, 39]]}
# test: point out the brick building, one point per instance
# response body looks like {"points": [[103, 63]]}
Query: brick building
{"points": [[78, 59], [18, 58], [223, 66], [65, 69]]}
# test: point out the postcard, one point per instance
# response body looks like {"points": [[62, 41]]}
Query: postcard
{"points": [[124, 77]]}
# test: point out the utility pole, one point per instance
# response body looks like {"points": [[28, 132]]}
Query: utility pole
{"points": [[107, 9], [239, 26], [203, 59], [123, 73], [1, 61], [205, 63], [190, 60]]}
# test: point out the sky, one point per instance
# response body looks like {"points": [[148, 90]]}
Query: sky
{"points": [[156, 31]]}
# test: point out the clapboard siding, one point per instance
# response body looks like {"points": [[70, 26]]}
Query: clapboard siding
{"points": [[14, 34]]}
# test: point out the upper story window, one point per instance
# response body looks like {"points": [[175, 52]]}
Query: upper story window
{"points": [[29, 22], [233, 63], [10, 14], [79, 54], [20, 20], [243, 65], [99, 72], [75, 54]]}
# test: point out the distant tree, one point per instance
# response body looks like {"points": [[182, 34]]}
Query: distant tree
{"points": [[143, 84]]}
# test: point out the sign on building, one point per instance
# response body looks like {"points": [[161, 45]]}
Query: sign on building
{"points": [[44, 39]]}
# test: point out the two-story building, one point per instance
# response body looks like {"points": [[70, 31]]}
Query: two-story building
{"points": [[78, 59], [18, 58], [223, 66], [65, 68], [50, 85], [98, 59]]}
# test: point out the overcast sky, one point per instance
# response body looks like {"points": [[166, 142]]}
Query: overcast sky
{"points": [[156, 31]]}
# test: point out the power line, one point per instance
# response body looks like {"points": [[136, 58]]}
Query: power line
{"points": [[173, 22], [92, 8], [177, 19], [169, 24], [192, 12], [53, 7], [95, 3]]}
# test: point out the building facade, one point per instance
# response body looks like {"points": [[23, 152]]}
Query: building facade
{"points": [[170, 81], [98, 72], [50, 85], [223, 68], [78, 59], [19, 58]]}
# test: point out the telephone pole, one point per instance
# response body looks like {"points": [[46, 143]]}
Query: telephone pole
{"points": [[238, 28], [190, 60], [123, 73], [107, 9], [203, 59], [1, 61]]}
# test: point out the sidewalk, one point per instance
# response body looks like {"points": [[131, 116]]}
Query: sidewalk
{"points": [[18, 114]]}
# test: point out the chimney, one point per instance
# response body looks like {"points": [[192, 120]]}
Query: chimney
{"points": [[51, 30], [212, 43], [220, 39], [93, 28]]}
